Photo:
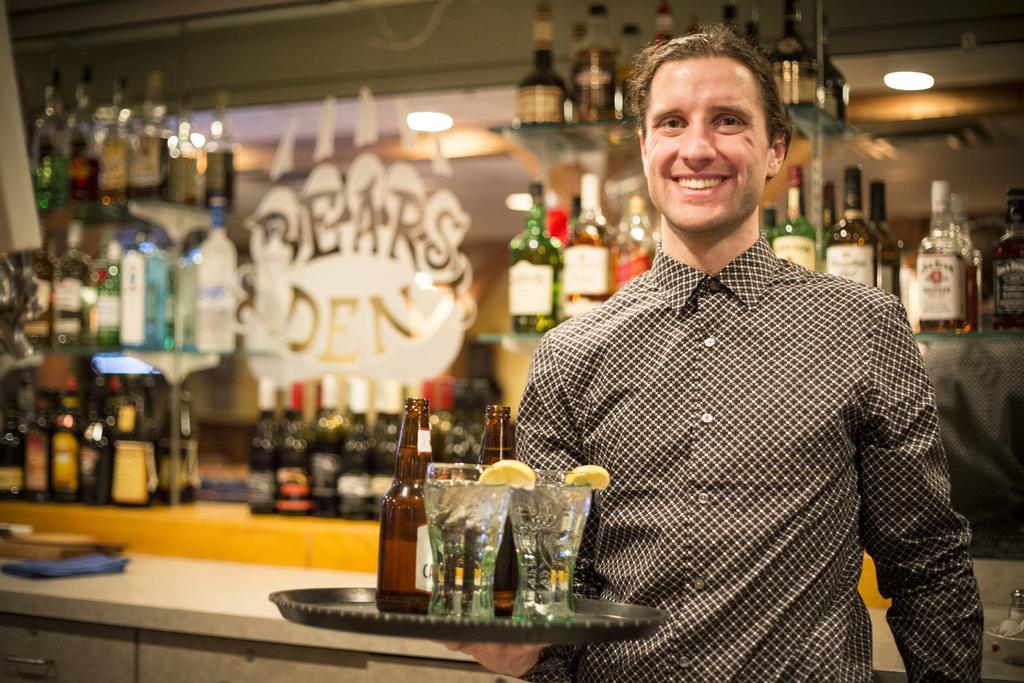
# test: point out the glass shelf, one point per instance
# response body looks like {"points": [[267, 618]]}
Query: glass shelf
{"points": [[564, 141], [970, 337], [516, 342], [805, 116]]}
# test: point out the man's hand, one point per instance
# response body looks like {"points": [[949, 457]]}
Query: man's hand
{"points": [[509, 660]]}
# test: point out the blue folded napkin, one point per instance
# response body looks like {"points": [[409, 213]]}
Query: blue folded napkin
{"points": [[72, 566]]}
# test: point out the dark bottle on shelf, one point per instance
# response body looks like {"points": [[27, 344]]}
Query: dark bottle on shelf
{"points": [[385, 440], [540, 97], [12, 451], [188, 458], [442, 399], [74, 293], [753, 32], [890, 249], [292, 475], [64, 444], [96, 454], [594, 70], [135, 475], [83, 165], [837, 91], [1008, 266], [404, 566], [44, 263], [730, 17], [796, 71], [262, 461], [499, 444], [37, 442], [354, 483], [459, 445], [325, 460]]}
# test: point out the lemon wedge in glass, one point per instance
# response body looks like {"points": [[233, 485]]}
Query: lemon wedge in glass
{"points": [[511, 472], [594, 475]]}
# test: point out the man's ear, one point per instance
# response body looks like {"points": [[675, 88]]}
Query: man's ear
{"points": [[776, 155]]}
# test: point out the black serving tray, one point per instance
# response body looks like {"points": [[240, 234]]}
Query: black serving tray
{"points": [[354, 610]]}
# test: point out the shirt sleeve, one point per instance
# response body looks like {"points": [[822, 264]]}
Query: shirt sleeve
{"points": [[908, 526], [548, 437]]}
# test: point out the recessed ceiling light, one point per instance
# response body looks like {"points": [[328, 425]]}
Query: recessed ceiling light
{"points": [[429, 121], [909, 80]]}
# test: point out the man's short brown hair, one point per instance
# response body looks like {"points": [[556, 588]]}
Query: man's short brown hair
{"points": [[713, 40]]}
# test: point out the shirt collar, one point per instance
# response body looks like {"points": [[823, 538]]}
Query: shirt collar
{"points": [[747, 276]]}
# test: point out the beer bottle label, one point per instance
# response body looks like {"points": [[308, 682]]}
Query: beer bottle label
{"points": [[424, 558], [423, 443]]}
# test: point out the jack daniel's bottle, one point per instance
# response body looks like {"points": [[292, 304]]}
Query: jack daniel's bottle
{"points": [[540, 97]]}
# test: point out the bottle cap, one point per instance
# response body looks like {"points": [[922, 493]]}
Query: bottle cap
{"points": [[389, 397], [358, 395], [297, 395], [329, 392], [266, 394], [940, 194]]}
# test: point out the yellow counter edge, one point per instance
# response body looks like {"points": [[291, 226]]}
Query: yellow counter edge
{"points": [[227, 531]]}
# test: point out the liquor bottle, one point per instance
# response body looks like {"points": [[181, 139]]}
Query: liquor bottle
{"points": [[540, 97], [37, 443], [795, 239], [594, 70], [262, 461], [730, 17], [535, 272], [828, 204], [663, 31], [114, 148], [133, 293], [12, 451], [187, 476], [67, 427], [837, 90], [149, 154], [325, 458], [96, 453], [215, 281], [795, 69], [630, 45], [634, 248], [40, 328], [156, 291], [83, 165], [499, 444], [587, 273], [354, 483], [405, 565], [385, 440], [459, 445], [753, 32], [50, 150], [890, 249], [108, 297], [770, 221], [1008, 266], [940, 269], [961, 227], [74, 293], [292, 474], [135, 477], [220, 157], [851, 247], [183, 163]]}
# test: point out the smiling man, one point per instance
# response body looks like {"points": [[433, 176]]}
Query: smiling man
{"points": [[763, 426]]}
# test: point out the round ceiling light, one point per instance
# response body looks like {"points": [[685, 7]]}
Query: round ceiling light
{"points": [[428, 121], [909, 80]]}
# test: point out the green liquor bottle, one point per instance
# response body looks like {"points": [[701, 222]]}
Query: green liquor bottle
{"points": [[794, 239], [535, 273]]}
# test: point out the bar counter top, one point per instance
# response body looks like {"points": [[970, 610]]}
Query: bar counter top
{"points": [[229, 600]]}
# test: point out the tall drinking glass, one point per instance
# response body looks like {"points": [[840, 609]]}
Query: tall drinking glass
{"points": [[465, 520], [547, 522]]}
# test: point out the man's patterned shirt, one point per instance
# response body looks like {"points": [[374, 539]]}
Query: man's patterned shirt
{"points": [[762, 427]]}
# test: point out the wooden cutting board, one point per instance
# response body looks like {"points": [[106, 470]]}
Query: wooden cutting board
{"points": [[48, 545]]}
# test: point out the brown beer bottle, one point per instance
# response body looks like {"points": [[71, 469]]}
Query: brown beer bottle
{"points": [[404, 565], [499, 443]]}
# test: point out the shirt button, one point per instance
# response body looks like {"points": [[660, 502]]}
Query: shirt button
{"points": [[684, 662], [709, 342], [698, 584], [702, 497], [706, 417]]}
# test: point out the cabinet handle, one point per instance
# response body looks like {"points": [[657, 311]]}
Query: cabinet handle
{"points": [[33, 661]]}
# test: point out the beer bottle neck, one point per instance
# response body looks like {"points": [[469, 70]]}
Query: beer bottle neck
{"points": [[413, 448], [498, 441]]}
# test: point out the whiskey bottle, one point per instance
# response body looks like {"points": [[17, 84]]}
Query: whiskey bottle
{"points": [[149, 154], [828, 205], [404, 566], [220, 157], [587, 274], [74, 293], [64, 446], [135, 475], [37, 443], [385, 440], [535, 272], [83, 164], [540, 97], [837, 91], [183, 181], [354, 482], [262, 461], [499, 444], [325, 451], [634, 248], [39, 329], [114, 148], [1008, 266], [940, 269], [96, 454], [50, 150], [12, 451], [594, 70], [795, 69], [851, 248], [890, 249], [961, 227], [795, 239], [292, 474]]}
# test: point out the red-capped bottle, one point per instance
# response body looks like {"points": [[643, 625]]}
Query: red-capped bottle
{"points": [[292, 474]]}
